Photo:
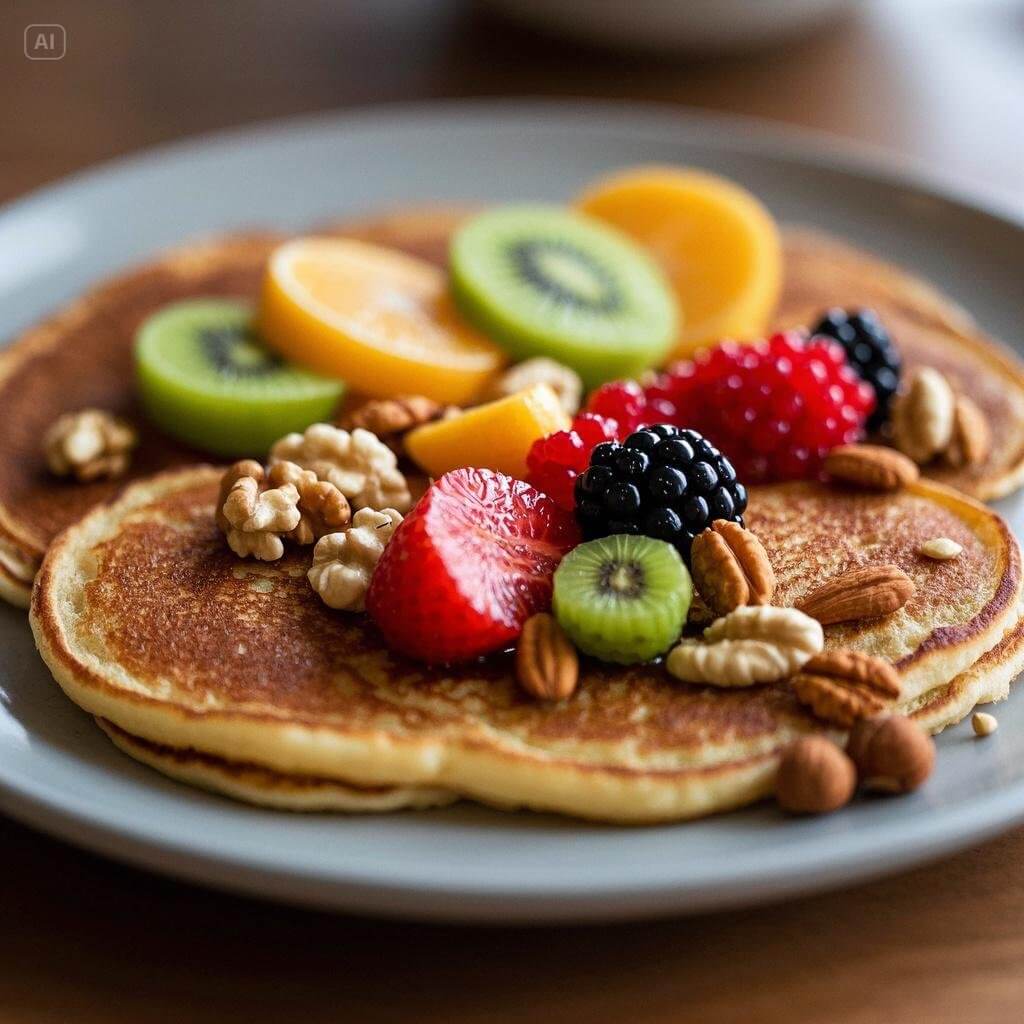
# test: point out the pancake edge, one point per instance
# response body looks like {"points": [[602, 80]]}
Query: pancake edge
{"points": [[986, 681], [264, 787], [950, 650]]}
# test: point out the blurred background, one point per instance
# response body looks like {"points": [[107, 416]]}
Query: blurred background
{"points": [[941, 81]]}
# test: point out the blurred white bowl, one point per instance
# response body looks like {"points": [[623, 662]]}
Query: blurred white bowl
{"points": [[667, 25]]}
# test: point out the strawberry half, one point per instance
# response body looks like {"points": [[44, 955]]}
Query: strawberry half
{"points": [[468, 566]]}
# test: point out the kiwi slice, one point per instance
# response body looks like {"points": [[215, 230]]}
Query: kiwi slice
{"points": [[546, 281], [623, 598], [205, 378]]}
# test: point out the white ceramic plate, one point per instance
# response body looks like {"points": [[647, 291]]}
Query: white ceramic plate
{"points": [[59, 773]]}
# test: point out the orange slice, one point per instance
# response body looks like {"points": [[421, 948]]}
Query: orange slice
{"points": [[497, 435], [378, 319], [716, 243]]}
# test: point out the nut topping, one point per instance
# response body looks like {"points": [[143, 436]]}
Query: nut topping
{"points": [[359, 464], [89, 444], [842, 687], [564, 381], [392, 418], [547, 665], [863, 593], [343, 563], [983, 723], [892, 754], [972, 437], [731, 568], [871, 467], [253, 519], [753, 644], [814, 777], [922, 417], [942, 549], [323, 507]]}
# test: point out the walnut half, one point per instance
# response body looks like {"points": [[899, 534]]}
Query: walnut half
{"points": [[343, 563], [359, 464], [89, 444], [255, 519]]}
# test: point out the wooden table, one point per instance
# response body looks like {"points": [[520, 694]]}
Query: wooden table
{"points": [[82, 939]]}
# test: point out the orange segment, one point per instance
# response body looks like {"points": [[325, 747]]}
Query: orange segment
{"points": [[717, 244], [380, 320], [497, 435]]}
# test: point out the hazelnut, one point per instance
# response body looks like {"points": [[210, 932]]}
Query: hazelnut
{"points": [[814, 777], [892, 753]]}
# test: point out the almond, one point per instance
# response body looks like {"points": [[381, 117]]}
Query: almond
{"points": [[859, 594], [972, 438], [547, 665], [871, 466], [843, 687], [731, 568]]}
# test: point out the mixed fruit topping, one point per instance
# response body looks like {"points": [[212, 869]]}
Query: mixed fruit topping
{"points": [[467, 506]]}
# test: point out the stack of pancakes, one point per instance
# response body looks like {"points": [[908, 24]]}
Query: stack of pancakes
{"points": [[233, 675]]}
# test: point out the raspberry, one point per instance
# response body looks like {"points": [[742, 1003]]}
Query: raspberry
{"points": [[627, 403], [775, 408], [556, 460]]}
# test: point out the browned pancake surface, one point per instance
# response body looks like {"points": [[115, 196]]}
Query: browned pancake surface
{"points": [[171, 601], [83, 357]]}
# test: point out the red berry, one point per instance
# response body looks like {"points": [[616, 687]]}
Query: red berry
{"points": [[775, 408], [467, 567], [556, 460], [623, 401]]}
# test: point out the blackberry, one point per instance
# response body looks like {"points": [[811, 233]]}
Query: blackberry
{"points": [[870, 352], [663, 482]]}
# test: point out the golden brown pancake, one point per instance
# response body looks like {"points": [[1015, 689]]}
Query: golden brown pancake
{"points": [[148, 620], [82, 356]]}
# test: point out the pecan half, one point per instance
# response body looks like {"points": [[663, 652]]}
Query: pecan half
{"points": [[871, 467], [731, 568], [859, 594], [547, 665], [392, 418], [843, 687], [972, 437]]}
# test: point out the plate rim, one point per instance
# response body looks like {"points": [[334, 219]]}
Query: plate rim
{"points": [[941, 832]]}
